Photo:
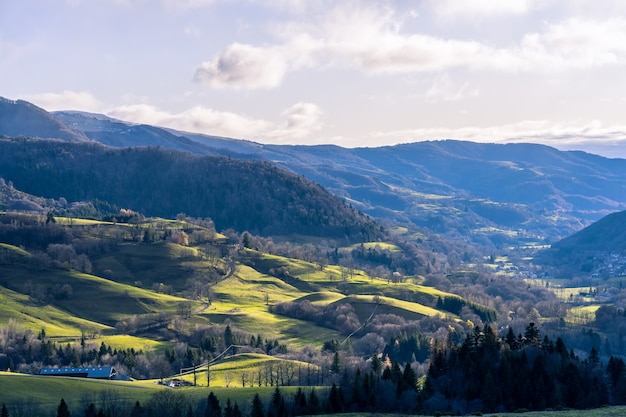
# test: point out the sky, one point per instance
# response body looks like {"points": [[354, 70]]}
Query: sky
{"points": [[346, 72]]}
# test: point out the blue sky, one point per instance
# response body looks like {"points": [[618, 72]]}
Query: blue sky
{"points": [[352, 73]]}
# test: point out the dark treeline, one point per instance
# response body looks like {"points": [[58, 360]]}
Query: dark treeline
{"points": [[483, 373], [491, 374], [243, 195]]}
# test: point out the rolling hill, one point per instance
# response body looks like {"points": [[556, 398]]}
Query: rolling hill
{"points": [[598, 249], [488, 194], [239, 194], [21, 118]]}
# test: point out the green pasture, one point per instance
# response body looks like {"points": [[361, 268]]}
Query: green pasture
{"points": [[14, 249], [616, 411], [123, 341], [48, 390], [149, 264], [364, 305], [563, 292], [73, 221], [248, 287], [237, 370], [245, 299], [33, 316], [94, 302], [374, 245], [322, 298], [582, 314]]}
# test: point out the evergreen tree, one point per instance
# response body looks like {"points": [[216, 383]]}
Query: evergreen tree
{"points": [[257, 407], [228, 410], [278, 404], [376, 364], [137, 410], [90, 411], [62, 409], [409, 378], [335, 400], [299, 403], [5, 411], [616, 369], [228, 336], [335, 366], [213, 408], [314, 403]]}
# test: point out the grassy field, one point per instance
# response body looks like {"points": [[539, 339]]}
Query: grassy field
{"points": [[600, 412], [365, 304], [47, 391], [246, 369], [93, 298], [30, 315], [14, 249]]}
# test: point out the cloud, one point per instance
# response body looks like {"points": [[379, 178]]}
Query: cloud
{"points": [[372, 38], [182, 5], [66, 100], [296, 122], [243, 66], [573, 135], [459, 8], [575, 44], [299, 121], [444, 89]]}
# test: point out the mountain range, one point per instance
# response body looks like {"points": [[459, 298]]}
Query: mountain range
{"points": [[490, 194]]}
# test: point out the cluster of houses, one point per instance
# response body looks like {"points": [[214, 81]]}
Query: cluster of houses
{"points": [[610, 266]]}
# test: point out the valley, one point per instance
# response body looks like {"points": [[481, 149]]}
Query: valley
{"points": [[397, 279]]}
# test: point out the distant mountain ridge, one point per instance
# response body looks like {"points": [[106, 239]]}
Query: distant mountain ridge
{"points": [[492, 194], [21, 118]]}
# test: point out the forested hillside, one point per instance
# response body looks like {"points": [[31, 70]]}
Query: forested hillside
{"points": [[243, 195], [597, 250], [492, 195]]}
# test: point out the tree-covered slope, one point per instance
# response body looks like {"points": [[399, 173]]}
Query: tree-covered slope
{"points": [[238, 194], [598, 249], [489, 193]]}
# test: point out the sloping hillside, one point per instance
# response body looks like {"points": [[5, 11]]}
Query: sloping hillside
{"points": [[487, 193], [598, 249], [21, 118], [238, 194], [490, 194]]}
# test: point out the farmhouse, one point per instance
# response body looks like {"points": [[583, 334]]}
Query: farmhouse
{"points": [[98, 372]]}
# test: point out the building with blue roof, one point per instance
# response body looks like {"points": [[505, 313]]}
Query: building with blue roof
{"points": [[97, 372]]}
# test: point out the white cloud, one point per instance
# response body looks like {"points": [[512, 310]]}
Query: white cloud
{"points": [[196, 119], [182, 5], [298, 121], [243, 66], [454, 8], [575, 44], [371, 38], [66, 100], [444, 89], [571, 135]]}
